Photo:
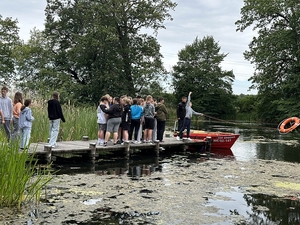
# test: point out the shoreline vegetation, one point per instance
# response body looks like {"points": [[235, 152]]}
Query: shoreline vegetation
{"points": [[21, 179]]}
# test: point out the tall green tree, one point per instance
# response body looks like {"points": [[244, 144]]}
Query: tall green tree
{"points": [[199, 70], [9, 38], [103, 46], [36, 73], [275, 52]]}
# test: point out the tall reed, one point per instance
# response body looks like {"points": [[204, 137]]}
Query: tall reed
{"points": [[20, 179], [80, 121]]}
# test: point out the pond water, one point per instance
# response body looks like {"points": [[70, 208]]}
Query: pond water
{"points": [[255, 142]]}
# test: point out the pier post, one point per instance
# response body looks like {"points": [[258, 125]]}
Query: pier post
{"points": [[48, 150], [92, 154], [85, 138], [156, 149], [208, 146], [127, 149]]}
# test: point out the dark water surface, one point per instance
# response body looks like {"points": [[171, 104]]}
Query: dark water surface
{"points": [[255, 142]]}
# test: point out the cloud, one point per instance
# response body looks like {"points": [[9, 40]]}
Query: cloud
{"points": [[29, 13], [215, 18]]}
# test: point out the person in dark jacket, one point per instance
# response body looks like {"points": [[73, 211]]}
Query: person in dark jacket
{"points": [[126, 118], [181, 112], [161, 117], [55, 114], [114, 119]]}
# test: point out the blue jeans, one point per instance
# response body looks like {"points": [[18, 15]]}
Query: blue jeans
{"points": [[16, 130], [7, 129], [25, 137], [54, 129], [187, 125]]}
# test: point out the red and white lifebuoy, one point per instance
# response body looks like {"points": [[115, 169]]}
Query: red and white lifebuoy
{"points": [[294, 121]]}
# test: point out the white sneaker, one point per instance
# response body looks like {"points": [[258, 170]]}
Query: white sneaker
{"points": [[189, 139], [178, 138]]}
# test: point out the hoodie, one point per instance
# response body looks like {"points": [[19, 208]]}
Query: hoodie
{"points": [[189, 111], [55, 111], [26, 118]]}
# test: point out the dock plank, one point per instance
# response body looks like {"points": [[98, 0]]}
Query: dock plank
{"points": [[90, 147]]}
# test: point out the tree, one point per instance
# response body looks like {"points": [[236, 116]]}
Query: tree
{"points": [[275, 52], [36, 74], [9, 38], [199, 70], [98, 46]]}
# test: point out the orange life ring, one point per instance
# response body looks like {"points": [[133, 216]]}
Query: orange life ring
{"points": [[294, 120]]}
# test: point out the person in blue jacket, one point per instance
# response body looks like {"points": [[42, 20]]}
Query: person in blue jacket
{"points": [[25, 123]]}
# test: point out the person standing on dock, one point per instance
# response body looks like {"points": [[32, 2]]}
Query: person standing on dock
{"points": [[149, 113], [6, 107], [161, 117], [102, 119], [126, 118], [55, 114], [114, 120], [17, 105], [25, 123], [181, 112], [136, 116], [187, 119]]}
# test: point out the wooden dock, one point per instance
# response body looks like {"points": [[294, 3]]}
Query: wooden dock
{"points": [[90, 149]]}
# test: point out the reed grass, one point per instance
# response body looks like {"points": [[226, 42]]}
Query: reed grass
{"points": [[20, 179], [80, 121]]}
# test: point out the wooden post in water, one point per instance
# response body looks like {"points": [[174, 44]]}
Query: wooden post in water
{"points": [[127, 149], [48, 150], [92, 154], [156, 149], [208, 146]]}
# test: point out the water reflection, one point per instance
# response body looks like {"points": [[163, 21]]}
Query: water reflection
{"points": [[256, 208]]}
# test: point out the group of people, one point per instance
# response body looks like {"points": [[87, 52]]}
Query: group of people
{"points": [[128, 117], [18, 114]]}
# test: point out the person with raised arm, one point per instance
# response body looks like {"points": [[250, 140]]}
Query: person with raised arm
{"points": [[187, 119]]}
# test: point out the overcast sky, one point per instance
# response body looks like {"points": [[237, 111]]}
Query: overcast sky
{"points": [[191, 19]]}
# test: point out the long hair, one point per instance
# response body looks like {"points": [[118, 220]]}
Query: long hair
{"points": [[27, 102], [18, 98]]}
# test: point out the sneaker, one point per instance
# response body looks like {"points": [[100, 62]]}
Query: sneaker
{"points": [[118, 142], [105, 144], [189, 139], [178, 138]]}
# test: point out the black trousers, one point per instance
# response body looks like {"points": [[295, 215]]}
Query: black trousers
{"points": [[134, 126], [160, 129]]}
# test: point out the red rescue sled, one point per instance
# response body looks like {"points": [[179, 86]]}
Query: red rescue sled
{"points": [[220, 140]]}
